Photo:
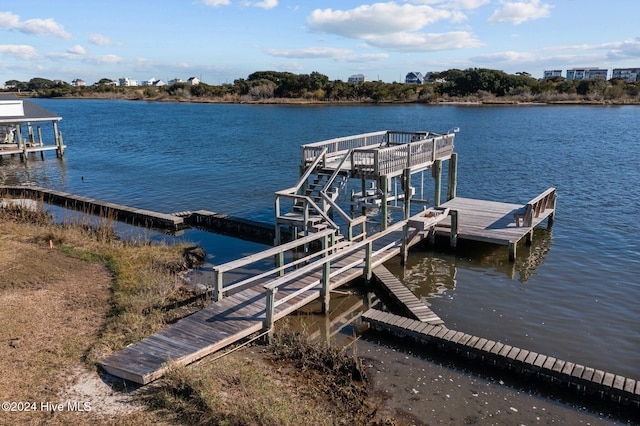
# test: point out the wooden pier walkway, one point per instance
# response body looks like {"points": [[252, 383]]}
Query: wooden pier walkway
{"points": [[548, 368], [245, 309], [415, 307]]}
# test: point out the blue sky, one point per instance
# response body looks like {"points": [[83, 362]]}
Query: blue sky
{"points": [[222, 40]]}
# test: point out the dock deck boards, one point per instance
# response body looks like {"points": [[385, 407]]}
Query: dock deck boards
{"points": [[243, 313], [488, 221], [416, 307], [229, 320]]}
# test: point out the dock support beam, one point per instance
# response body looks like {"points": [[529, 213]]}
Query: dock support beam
{"points": [[437, 175], [384, 208], [407, 193], [452, 181], [512, 250]]}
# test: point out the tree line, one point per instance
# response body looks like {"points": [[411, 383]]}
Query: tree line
{"points": [[473, 84]]}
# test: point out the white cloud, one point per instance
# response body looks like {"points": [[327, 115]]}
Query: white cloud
{"points": [[76, 50], [100, 40], [266, 4], [21, 51], [339, 55], [103, 59], [374, 20], [518, 12], [416, 42], [453, 4], [10, 21], [216, 3]]}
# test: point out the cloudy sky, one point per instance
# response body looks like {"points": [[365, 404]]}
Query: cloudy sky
{"points": [[222, 40]]}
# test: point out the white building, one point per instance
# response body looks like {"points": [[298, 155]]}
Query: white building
{"points": [[126, 81], [587, 74], [552, 73], [629, 74], [194, 81], [153, 82]]}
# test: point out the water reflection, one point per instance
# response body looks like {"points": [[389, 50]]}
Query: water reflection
{"points": [[431, 272]]}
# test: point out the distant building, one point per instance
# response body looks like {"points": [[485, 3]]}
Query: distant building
{"points": [[194, 81], [629, 74], [126, 81], [552, 73], [78, 83], [175, 81], [357, 78], [414, 77], [587, 74], [153, 82]]}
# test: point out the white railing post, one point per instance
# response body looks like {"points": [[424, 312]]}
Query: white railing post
{"points": [[270, 307], [217, 285]]}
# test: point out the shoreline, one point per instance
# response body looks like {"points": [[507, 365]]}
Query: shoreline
{"points": [[300, 101]]}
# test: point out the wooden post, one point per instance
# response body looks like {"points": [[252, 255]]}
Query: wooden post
{"points": [[384, 209], [270, 307], [437, 175], [217, 286], [21, 143], [551, 216], [407, 193], [512, 251], [368, 260], [326, 270], [58, 138], [453, 239], [452, 181], [40, 142], [405, 244]]}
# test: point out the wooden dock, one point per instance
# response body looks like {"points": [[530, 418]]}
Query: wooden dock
{"points": [[414, 307], [547, 368], [497, 222], [126, 214], [18, 136], [249, 305]]}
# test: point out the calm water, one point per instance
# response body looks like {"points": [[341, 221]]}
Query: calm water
{"points": [[573, 294]]}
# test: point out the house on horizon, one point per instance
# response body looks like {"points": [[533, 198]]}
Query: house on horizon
{"points": [[630, 75], [587, 74], [357, 78], [153, 82], [126, 81], [78, 83], [414, 77], [194, 81], [551, 74]]}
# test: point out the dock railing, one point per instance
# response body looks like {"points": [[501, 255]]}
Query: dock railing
{"points": [[222, 289], [367, 263], [395, 158]]}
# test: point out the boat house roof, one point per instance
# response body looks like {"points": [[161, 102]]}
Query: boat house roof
{"points": [[16, 110]]}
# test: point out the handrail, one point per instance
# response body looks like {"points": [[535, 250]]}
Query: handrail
{"points": [[235, 264], [308, 200], [341, 253], [310, 169]]}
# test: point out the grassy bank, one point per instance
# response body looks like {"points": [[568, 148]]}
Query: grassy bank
{"points": [[73, 293]]}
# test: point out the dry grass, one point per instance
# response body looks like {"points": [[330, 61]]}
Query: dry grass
{"points": [[66, 306]]}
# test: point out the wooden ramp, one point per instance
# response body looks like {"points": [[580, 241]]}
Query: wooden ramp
{"points": [[497, 222], [415, 307], [244, 313]]}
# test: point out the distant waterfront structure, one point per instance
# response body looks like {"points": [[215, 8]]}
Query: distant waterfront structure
{"points": [[629, 74], [587, 74], [153, 82], [357, 78], [194, 81], [126, 81], [414, 77], [175, 81], [552, 73]]}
